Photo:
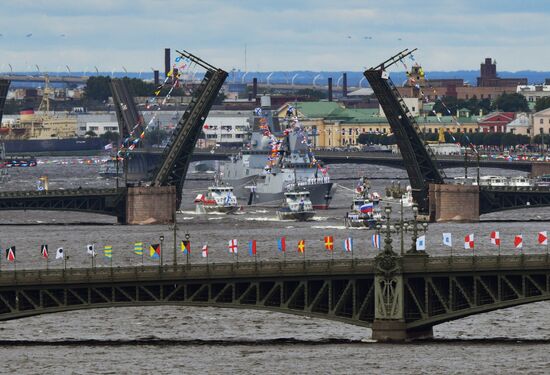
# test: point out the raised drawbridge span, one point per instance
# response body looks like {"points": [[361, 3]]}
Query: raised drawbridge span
{"points": [[155, 202], [434, 197]]}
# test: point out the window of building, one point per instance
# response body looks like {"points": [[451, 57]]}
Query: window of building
{"points": [[384, 130], [350, 131], [467, 96], [481, 96], [541, 121]]}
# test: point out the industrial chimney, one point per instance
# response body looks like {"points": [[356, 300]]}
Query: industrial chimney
{"points": [[345, 85], [166, 61], [330, 89], [156, 77]]}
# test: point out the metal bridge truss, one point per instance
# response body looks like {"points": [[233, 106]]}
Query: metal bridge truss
{"points": [[126, 110], [434, 299], [419, 161], [493, 199], [435, 290], [177, 153], [101, 201], [4, 86]]}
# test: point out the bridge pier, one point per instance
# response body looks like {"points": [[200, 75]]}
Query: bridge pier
{"points": [[391, 331], [150, 205], [539, 169], [454, 202]]}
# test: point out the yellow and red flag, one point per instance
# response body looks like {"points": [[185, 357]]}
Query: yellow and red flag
{"points": [[329, 243], [302, 246]]}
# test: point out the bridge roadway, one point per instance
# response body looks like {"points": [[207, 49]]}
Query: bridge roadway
{"points": [[393, 160], [418, 293], [101, 201]]}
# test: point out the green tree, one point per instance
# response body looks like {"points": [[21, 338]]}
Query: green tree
{"points": [[97, 88], [110, 136], [542, 103], [90, 133], [311, 94], [511, 103]]}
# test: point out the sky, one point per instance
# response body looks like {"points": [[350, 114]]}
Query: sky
{"points": [[318, 35]]}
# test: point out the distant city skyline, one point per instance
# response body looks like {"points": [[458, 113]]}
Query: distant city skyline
{"points": [[317, 35]]}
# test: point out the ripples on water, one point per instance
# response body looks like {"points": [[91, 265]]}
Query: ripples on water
{"points": [[208, 340]]}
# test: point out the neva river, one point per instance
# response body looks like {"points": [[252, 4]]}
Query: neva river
{"points": [[208, 340]]}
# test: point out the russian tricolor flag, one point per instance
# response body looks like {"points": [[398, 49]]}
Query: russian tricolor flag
{"points": [[367, 208]]}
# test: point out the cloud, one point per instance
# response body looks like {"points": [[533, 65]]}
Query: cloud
{"points": [[310, 34]]}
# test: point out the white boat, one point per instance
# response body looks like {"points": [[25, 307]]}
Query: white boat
{"points": [[297, 206], [365, 210], [218, 199]]}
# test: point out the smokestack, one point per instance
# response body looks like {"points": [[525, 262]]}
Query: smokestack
{"points": [[345, 85], [254, 88], [156, 77], [330, 89], [166, 61]]}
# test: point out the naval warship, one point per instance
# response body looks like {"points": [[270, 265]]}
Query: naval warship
{"points": [[278, 159]]}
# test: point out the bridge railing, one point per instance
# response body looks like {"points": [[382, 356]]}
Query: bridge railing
{"points": [[56, 193], [191, 271], [481, 263], [366, 266]]}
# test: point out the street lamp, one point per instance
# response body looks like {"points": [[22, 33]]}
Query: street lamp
{"points": [[161, 238], [414, 227]]}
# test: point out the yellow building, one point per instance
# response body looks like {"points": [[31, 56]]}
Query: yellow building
{"points": [[332, 125]]}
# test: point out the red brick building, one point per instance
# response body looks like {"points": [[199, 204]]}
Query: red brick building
{"points": [[496, 122]]}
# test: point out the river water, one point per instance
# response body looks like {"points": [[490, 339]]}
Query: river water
{"points": [[211, 340]]}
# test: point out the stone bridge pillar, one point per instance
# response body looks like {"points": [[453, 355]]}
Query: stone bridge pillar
{"points": [[151, 205], [389, 297], [539, 169], [454, 202]]}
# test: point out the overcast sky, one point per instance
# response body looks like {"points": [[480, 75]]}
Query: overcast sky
{"points": [[279, 34]]}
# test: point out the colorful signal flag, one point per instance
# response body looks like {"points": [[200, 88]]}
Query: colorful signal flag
{"points": [[10, 254], [44, 251], [329, 243], [154, 251], [185, 246], [138, 248], [302, 246], [252, 247], [281, 244], [108, 251]]}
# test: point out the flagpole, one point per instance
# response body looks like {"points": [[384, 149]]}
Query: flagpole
{"points": [[498, 248], [48, 262]]}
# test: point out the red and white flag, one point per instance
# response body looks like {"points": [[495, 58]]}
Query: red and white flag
{"points": [[205, 251], [495, 238], [543, 238], [233, 246], [469, 241], [518, 241]]}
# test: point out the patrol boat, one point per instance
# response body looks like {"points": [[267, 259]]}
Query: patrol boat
{"points": [[276, 163], [218, 199], [297, 206], [365, 209]]}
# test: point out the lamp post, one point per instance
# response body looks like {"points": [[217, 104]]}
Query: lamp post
{"points": [[175, 260], [387, 239], [414, 227], [161, 238], [187, 238]]}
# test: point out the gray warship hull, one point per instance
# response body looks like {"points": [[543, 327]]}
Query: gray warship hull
{"points": [[246, 190]]}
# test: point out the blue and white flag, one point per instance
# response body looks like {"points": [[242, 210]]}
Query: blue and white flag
{"points": [[348, 244], [376, 241], [421, 243], [447, 239], [258, 111]]}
